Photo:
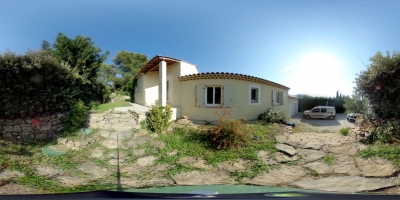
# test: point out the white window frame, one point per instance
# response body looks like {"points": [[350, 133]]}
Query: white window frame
{"points": [[206, 93], [258, 88]]}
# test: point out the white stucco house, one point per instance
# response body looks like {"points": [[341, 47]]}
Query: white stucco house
{"points": [[166, 80]]}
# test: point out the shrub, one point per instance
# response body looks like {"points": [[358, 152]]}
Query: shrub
{"points": [[159, 118], [273, 116], [77, 117], [229, 132], [344, 131], [36, 84]]}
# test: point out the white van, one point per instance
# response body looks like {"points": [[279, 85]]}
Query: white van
{"points": [[321, 112]]}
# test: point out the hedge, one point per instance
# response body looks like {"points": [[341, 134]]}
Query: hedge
{"points": [[307, 103], [35, 83]]}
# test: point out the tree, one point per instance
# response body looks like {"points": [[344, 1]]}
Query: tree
{"points": [[46, 46], [79, 53], [356, 103], [127, 65], [82, 55], [379, 83], [337, 94]]}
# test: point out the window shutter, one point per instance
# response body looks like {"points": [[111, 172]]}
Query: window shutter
{"points": [[273, 97], [284, 98], [200, 95], [229, 96]]}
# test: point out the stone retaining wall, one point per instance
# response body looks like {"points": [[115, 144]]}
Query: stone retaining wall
{"points": [[99, 120], [32, 129]]}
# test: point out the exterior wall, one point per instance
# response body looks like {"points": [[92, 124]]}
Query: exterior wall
{"points": [[187, 69], [174, 85], [150, 88], [240, 108], [139, 92]]}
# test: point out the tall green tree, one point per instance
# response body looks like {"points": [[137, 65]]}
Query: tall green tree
{"points": [[379, 83], [80, 53], [127, 65]]}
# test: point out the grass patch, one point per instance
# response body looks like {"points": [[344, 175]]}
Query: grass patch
{"points": [[390, 152], [179, 168], [329, 159], [344, 131], [255, 170], [195, 143], [104, 107]]}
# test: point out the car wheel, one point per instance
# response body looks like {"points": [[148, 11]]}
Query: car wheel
{"points": [[332, 117], [308, 117]]}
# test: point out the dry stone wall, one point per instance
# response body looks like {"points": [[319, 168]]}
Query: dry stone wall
{"points": [[32, 129]]}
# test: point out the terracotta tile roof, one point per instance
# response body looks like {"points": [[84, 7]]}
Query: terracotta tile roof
{"points": [[235, 76]]}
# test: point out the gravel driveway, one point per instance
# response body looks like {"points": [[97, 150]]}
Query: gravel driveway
{"points": [[324, 125]]}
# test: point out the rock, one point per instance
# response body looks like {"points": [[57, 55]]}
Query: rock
{"points": [[156, 182], [265, 158], [130, 183], [43, 126], [172, 153], [109, 143], [9, 137], [114, 154], [347, 149], [281, 157], [131, 170], [184, 122], [135, 142], [282, 176], [41, 137], [320, 167], [104, 133], [7, 175], [139, 152], [376, 167], [286, 148], [341, 165], [114, 162], [124, 116], [124, 126], [140, 133], [281, 138], [346, 184], [231, 166], [157, 144], [195, 162], [16, 189], [47, 171], [146, 161], [200, 178], [184, 117], [310, 155], [121, 135], [94, 170], [97, 153], [69, 181]]}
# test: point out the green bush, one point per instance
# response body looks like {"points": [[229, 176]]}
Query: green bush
{"points": [[273, 116], [159, 118], [77, 117], [36, 84], [344, 131], [229, 132]]}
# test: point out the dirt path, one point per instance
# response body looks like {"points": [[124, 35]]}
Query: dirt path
{"points": [[325, 125]]}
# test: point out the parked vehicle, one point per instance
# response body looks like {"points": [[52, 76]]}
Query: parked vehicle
{"points": [[352, 117], [321, 112]]}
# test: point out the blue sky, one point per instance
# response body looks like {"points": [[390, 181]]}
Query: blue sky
{"points": [[314, 47]]}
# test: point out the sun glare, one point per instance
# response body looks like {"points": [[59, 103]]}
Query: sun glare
{"points": [[316, 74]]}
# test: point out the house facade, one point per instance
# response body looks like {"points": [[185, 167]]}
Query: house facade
{"points": [[166, 80]]}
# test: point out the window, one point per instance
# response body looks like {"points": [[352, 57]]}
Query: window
{"points": [[254, 94], [323, 110], [213, 95], [278, 100], [315, 110], [167, 90]]}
